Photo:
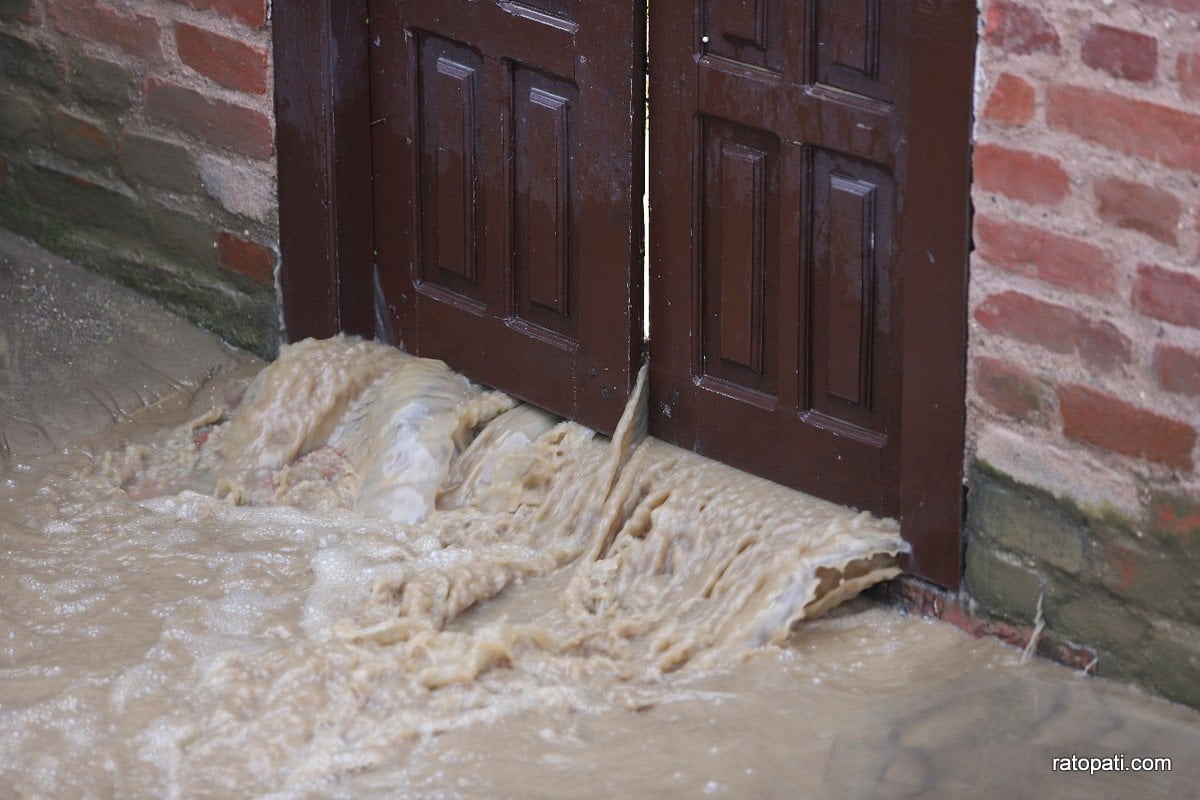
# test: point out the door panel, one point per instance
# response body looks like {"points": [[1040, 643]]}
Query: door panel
{"points": [[857, 44], [507, 203], [806, 243], [851, 332], [790, 278], [451, 159], [546, 209], [740, 268], [749, 32]]}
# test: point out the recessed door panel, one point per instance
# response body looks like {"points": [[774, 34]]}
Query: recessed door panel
{"points": [[507, 149], [739, 248], [850, 330], [450, 159], [856, 46], [749, 32], [544, 205]]}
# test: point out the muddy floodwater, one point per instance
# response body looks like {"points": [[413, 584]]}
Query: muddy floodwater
{"points": [[355, 574]]}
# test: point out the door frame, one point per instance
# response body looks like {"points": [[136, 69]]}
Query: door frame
{"points": [[934, 343], [323, 145], [322, 103]]}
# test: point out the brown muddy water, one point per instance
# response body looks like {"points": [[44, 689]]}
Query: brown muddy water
{"points": [[358, 575]]}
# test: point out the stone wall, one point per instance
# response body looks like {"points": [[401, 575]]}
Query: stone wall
{"points": [[137, 137], [1084, 393]]}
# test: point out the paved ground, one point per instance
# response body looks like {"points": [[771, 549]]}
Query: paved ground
{"points": [[78, 352]]}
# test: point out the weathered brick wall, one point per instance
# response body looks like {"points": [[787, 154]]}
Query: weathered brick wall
{"points": [[1084, 396], [137, 137]]}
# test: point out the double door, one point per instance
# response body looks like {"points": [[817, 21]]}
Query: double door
{"points": [[808, 237]]}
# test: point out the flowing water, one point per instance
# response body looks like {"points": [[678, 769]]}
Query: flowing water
{"points": [[358, 575]]}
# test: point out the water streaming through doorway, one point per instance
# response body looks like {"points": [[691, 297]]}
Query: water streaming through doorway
{"points": [[360, 575], [273, 595]]}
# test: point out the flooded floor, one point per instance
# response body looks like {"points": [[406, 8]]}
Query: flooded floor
{"points": [[355, 574], [78, 353]]}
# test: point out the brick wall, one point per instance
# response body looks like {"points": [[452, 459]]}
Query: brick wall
{"points": [[1084, 391], [137, 137]]}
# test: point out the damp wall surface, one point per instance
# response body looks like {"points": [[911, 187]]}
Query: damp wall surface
{"points": [[1084, 386], [137, 137]]}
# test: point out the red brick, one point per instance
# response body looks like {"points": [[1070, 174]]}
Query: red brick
{"points": [[246, 258], [227, 61], [1139, 207], [250, 12], [1055, 328], [1167, 295], [1012, 101], [1123, 561], [1177, 369], [136, 34], [1007, 388], [1134, 127], [1105, 421], [1187, 69], [1020, 29], [154, 161], [16, 10], [1121, 53], [1051, 257], [1024, 176], [242, 130], [79, 137], [1027, 319], [1102, 345], [1174, 514]]}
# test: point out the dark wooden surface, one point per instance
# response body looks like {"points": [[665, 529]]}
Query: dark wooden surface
{"points": [[935, 289], [469, 185], [322, 117], [507, 146], [809, 249]]}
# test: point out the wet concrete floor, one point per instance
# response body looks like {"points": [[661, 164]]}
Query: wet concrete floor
{"points": [[864, 703], [78, 353]]}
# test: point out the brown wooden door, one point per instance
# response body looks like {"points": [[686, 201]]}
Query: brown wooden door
{"points": [[809, 239], [506, 140]]}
